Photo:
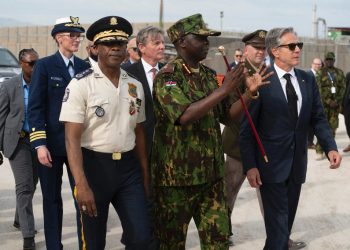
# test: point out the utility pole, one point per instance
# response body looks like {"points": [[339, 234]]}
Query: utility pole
{"points": [[221, 16], [161, 15]]}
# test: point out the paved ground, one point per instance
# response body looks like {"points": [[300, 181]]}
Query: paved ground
{"points": [[322, 221]]}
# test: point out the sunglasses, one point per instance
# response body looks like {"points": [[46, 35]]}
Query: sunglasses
{"points": [[135, 49], [73, 36], [329, 59], [31, 64], [238, 55], [292, 46]]}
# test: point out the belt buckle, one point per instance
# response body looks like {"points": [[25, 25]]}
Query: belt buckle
{"points": [[116, 156], [22, 135]]}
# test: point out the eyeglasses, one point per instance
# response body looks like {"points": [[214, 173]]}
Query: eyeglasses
{"points": [[238, 55], [292, 46], [329, 59], [31, 64], [317, 64], [73, 36], [135, 49]]}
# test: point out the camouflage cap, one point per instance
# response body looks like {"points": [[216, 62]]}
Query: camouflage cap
{"points": [[256, 38], [329, 55], [190, 25]]}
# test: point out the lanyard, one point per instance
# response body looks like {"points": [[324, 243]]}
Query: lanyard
{"points": [[332, 78]]}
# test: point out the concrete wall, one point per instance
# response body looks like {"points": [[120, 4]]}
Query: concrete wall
{"points": [[39, 38]]}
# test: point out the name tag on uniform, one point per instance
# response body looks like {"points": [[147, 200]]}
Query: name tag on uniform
{"points": [[56, 78], [333, 90]]}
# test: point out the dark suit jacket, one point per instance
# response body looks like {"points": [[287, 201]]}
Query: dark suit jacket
{"points": [[12, 114], [346, 98], [127, 63], [137, 70], [285, 144], [47, 87]]}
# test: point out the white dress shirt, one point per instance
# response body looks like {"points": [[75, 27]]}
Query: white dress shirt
{"points": [[92, 62], [280, 73], [313, 71], [149, 74]]}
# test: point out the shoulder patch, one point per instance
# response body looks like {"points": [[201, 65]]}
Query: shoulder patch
{"points": [[132, 76], [83, 74]]}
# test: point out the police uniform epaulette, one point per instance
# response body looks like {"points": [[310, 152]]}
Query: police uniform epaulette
{"points": [[83, 74], [133, 76]]}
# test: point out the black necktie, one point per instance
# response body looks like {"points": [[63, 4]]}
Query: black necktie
{"points": [[70, 64], [292, 98]]}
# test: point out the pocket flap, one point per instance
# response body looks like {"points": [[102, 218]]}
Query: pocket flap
{"points": [[97, 102]]}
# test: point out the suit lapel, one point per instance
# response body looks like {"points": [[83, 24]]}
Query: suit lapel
{"points": [[78, 65], [143, 79], [63, 68], [20, 94], [303, 90], [277, 91]]}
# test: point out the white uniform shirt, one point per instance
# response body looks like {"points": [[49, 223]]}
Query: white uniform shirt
{"points": [[123, 107], [293, 78]]}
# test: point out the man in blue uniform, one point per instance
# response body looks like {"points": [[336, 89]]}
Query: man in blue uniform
{"points": [[50, 78]]}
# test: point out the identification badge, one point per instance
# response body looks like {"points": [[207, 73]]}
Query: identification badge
{"points": [[100, 111], [333, 90]]}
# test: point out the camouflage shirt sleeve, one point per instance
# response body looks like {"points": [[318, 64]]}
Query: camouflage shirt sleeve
{"points": [[340, 85]]}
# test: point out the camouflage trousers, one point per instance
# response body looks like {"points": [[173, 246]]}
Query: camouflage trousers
{"points": [[333, 120], [206, 203]]}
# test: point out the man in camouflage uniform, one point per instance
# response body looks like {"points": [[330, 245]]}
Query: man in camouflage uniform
{"points": [[187, 158], [331, 83]]}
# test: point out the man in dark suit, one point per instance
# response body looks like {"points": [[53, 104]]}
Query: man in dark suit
{"points": [[150, 44], [134, 55], [282, 115], [238, 57], [50, 78], [345, 108], [14, 142], [92, 54], [316, 65]]}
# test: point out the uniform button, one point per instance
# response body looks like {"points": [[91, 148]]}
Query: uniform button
{"points": [[22, 121], [292, 147], [119, 113], [120, 133], [19, 133], [57, 85]]}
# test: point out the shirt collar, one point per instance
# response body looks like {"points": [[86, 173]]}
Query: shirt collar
{"points": [[280, 72], [313, 71], [24, 82], [148, 67], [66, 60]]}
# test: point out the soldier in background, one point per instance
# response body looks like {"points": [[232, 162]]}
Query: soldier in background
{"points": [[92, 54], [187, 158], [331, 83]]}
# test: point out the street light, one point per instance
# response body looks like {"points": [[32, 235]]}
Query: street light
{"points": [[221, 16]]}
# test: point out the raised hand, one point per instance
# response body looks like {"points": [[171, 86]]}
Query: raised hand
{"points": [[258, 79]]}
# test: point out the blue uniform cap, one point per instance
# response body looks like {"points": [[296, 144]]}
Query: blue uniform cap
{"points": [[67, 24]]}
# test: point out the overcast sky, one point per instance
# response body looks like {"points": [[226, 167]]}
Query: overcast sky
{"points": [[241, 15]]}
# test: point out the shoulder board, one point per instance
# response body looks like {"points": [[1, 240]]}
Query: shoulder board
{"points": [[168, 68], [83, 74], [132, 76], [213, 71]]}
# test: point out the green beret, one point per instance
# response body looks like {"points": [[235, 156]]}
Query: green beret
{"points": [[329, 55], [256, 38], [190, 25]]}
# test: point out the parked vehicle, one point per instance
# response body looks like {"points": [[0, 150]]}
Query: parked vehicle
{"points": [[9, 65]]}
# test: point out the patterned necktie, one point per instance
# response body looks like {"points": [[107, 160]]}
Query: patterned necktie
{"points": [[154, 73], [292, 98]]}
